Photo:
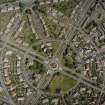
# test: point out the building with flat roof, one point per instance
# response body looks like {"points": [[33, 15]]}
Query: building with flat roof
{"points": [[28, 3]]}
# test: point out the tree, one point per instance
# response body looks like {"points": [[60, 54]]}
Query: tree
{"points": [[36, 5]]}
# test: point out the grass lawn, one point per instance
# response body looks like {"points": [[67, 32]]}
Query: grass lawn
{"points": [[66, 7], [4, 19], [54, 29], [34, 83], [26, 34], [54, 46], [2, 93], [67, 61], [37, 68], [61, 81], [39, 50]]}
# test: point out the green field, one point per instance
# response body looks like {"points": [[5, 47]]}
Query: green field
{"points": [[26, 34], [62, 82], [4, 19], [2, 94], [54, 29]]}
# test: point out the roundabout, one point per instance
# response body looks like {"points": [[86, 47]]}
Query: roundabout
{"points": [[52, 52]]}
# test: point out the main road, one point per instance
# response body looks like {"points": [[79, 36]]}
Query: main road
{"points": [[75, 24]]}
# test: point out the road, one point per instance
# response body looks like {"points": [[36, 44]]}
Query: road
{"points": [[22, 50], [84, 82], [75, 25]]}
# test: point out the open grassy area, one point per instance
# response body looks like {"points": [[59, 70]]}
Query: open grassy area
{"points": [[2, 94], [54, 29], [62, 82], [4, 19], [39, 50], [54, 46], [66, 7], [68, 61], [37, 67], [26, 34]]}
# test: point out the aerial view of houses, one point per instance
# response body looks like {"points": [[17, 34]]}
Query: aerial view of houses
{"points": [[52, 52]]}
